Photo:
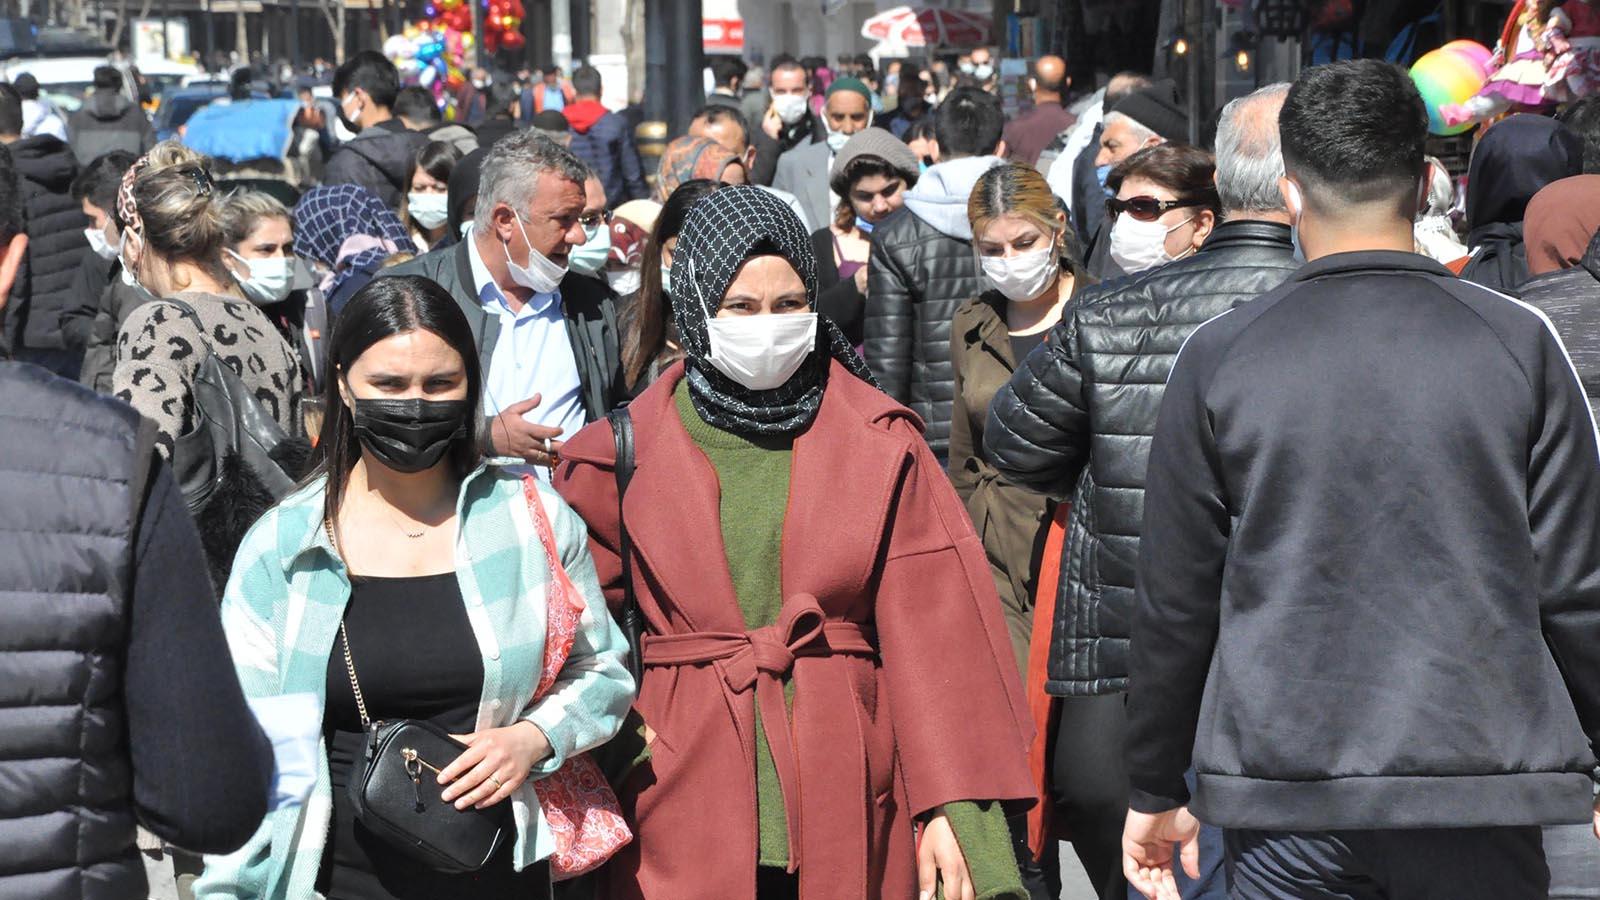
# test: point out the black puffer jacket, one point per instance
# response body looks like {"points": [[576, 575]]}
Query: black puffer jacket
{"points": [[922, 269], [1076, 419], [1571, 300], [56, 245]]}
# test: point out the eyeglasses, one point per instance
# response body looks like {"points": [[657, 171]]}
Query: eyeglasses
{"points": [[590, 220], [1144, 209]]}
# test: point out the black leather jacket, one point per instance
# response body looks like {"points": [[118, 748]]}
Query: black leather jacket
{"points": [[917, 279], [1076, 419]]}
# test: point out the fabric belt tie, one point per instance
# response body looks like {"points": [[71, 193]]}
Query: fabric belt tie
{"points": [[764, 657]]}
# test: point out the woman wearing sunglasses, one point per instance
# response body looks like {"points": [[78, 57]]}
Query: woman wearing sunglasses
{"points": [[1165, 206]]}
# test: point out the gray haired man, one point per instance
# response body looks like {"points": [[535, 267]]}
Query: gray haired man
{"points": [[1076, 419], [547, 339]]}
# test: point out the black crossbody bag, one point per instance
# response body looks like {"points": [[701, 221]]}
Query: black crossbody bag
{"points": [[394, 788]]}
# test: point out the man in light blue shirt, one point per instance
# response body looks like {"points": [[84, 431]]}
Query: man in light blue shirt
{"points": [[547, 339]]}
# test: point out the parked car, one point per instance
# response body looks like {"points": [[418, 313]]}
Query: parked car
{"points": [[178, 105]]}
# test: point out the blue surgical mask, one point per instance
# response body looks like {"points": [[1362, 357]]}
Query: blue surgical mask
{"points": [[590, 256], [922, 166], [1101, 173], [863, 225]]}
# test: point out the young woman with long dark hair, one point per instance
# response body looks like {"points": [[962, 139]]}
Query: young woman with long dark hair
{"points": [[410, 561]]}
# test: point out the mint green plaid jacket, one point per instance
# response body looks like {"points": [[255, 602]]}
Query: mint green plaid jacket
{"points": [[281, 611]]}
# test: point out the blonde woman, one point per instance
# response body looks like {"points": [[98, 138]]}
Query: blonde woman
{"points": [[174, 236], [1032, 265]]}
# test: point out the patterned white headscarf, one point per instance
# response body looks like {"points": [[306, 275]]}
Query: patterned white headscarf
{"points": [[724, 229]]}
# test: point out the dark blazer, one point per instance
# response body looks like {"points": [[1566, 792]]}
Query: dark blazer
{"points": [[590, 307]]}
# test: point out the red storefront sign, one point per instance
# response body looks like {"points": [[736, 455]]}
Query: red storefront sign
{"points": [[722, 35]]}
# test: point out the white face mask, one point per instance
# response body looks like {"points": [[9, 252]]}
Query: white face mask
{"points": [[623, 281], [837, 140], [762, 352], [101, 245], [430, 210], [791, 107], [1137, 246], [540, 275], [1024, 276], [128, 277], [269, 280], [666, 279]]}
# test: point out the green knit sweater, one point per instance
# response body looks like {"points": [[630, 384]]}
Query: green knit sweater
{"points": [[753, 475]]}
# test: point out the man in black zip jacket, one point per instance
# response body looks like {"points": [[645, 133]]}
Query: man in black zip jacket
{"points": [[1368, 602]]}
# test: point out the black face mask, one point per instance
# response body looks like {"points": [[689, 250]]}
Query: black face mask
{"points": [[410, 435]]}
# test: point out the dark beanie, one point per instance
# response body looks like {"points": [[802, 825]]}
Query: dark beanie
{"points": [[1157, 108]]}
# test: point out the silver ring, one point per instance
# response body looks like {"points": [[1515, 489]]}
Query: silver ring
{"points": [[546, 446]]}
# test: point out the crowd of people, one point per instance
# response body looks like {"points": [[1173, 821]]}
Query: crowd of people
{"points": [[867, 497]]}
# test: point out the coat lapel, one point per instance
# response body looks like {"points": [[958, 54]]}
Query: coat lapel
{"points": [[673, 514], [843, 478]]}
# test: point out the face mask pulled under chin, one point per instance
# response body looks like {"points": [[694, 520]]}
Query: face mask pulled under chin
{"points": [[1137, 246], [540, 275], [762, 352]]}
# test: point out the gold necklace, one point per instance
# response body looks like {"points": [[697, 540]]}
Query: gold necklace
{"points": [[409, 534]]}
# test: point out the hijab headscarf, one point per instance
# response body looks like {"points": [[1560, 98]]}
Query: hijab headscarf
{"points": [[688, 158], [724, 229], [1561, 222], [1515, 159], [348, 229]]}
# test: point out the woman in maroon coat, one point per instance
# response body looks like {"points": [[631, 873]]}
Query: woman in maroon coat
{"points": [[830, 697]]}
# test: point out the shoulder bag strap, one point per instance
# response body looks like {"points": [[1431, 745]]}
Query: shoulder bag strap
{"points": [[632, 620]]}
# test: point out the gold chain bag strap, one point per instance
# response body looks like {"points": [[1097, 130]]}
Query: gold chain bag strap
{"points": [[395, 799]]}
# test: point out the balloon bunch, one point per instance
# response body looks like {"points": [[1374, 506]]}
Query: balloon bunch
{"points": [[502, 21], [502, 25], [432, 54]]}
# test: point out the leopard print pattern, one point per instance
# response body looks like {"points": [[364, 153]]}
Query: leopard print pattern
{"points": [[160, 348]]}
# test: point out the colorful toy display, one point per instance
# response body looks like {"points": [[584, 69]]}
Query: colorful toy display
{"points": [[1452, 74], [435, 52], [1548, 53]]}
